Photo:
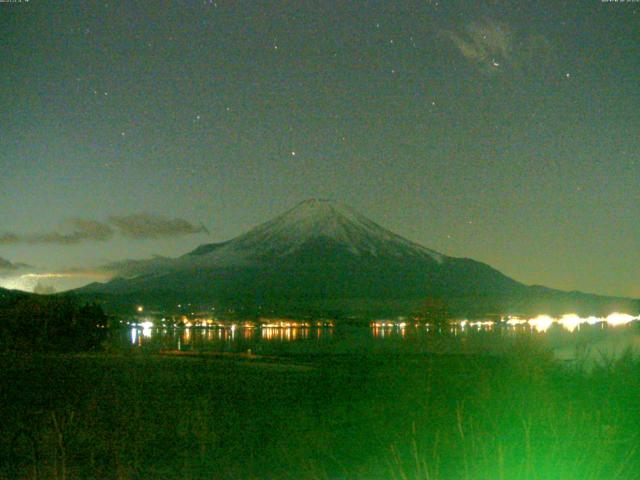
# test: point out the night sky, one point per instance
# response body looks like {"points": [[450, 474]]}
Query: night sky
{"points": [[507, 132]]}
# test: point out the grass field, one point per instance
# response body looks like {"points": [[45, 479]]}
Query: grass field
{"points": [[138, 416]]}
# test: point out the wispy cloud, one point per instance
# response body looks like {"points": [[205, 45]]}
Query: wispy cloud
{"points": [[79, 231], [137, 226], [145, 225], [10, 267], [487, 43], [494, 47]]}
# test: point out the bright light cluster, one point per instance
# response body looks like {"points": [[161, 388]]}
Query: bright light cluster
{"points": [[571, 321], [541, 323]]}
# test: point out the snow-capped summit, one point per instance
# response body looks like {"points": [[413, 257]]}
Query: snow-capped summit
{"points": [[313, 220]]}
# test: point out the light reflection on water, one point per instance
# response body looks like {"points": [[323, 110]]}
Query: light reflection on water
{"points": [[567, 336]]}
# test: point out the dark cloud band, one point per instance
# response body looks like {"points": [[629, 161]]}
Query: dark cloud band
{"points": [[138, 226], [80, 231], [152, 226]]}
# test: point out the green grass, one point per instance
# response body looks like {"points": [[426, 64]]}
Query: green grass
{"points": [[133, 416]]}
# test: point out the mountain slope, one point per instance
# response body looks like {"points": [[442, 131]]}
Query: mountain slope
{"points": [[321, 219], [323, 257]]}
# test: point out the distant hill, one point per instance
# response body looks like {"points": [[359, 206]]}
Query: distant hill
{"points": [[322, 258], [49, 322], [10, 296]]}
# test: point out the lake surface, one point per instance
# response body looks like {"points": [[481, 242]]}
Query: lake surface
{"points": [[583, 342]]}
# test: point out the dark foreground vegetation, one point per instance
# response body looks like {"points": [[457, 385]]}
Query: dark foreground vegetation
{"points": [[40, 322], [138, 416]]}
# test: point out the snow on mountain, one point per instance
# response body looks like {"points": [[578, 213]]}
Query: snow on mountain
{"points": [[309, 221], [322, 219]]}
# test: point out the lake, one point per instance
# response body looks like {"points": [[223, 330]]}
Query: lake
{"points": [[581, 341]]}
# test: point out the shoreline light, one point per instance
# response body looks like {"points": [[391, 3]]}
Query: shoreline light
{"points": [[571, 321], [541, 323], [616, 319]]}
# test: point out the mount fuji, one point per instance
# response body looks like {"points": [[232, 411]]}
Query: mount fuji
{"points": [[323, 258]]}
